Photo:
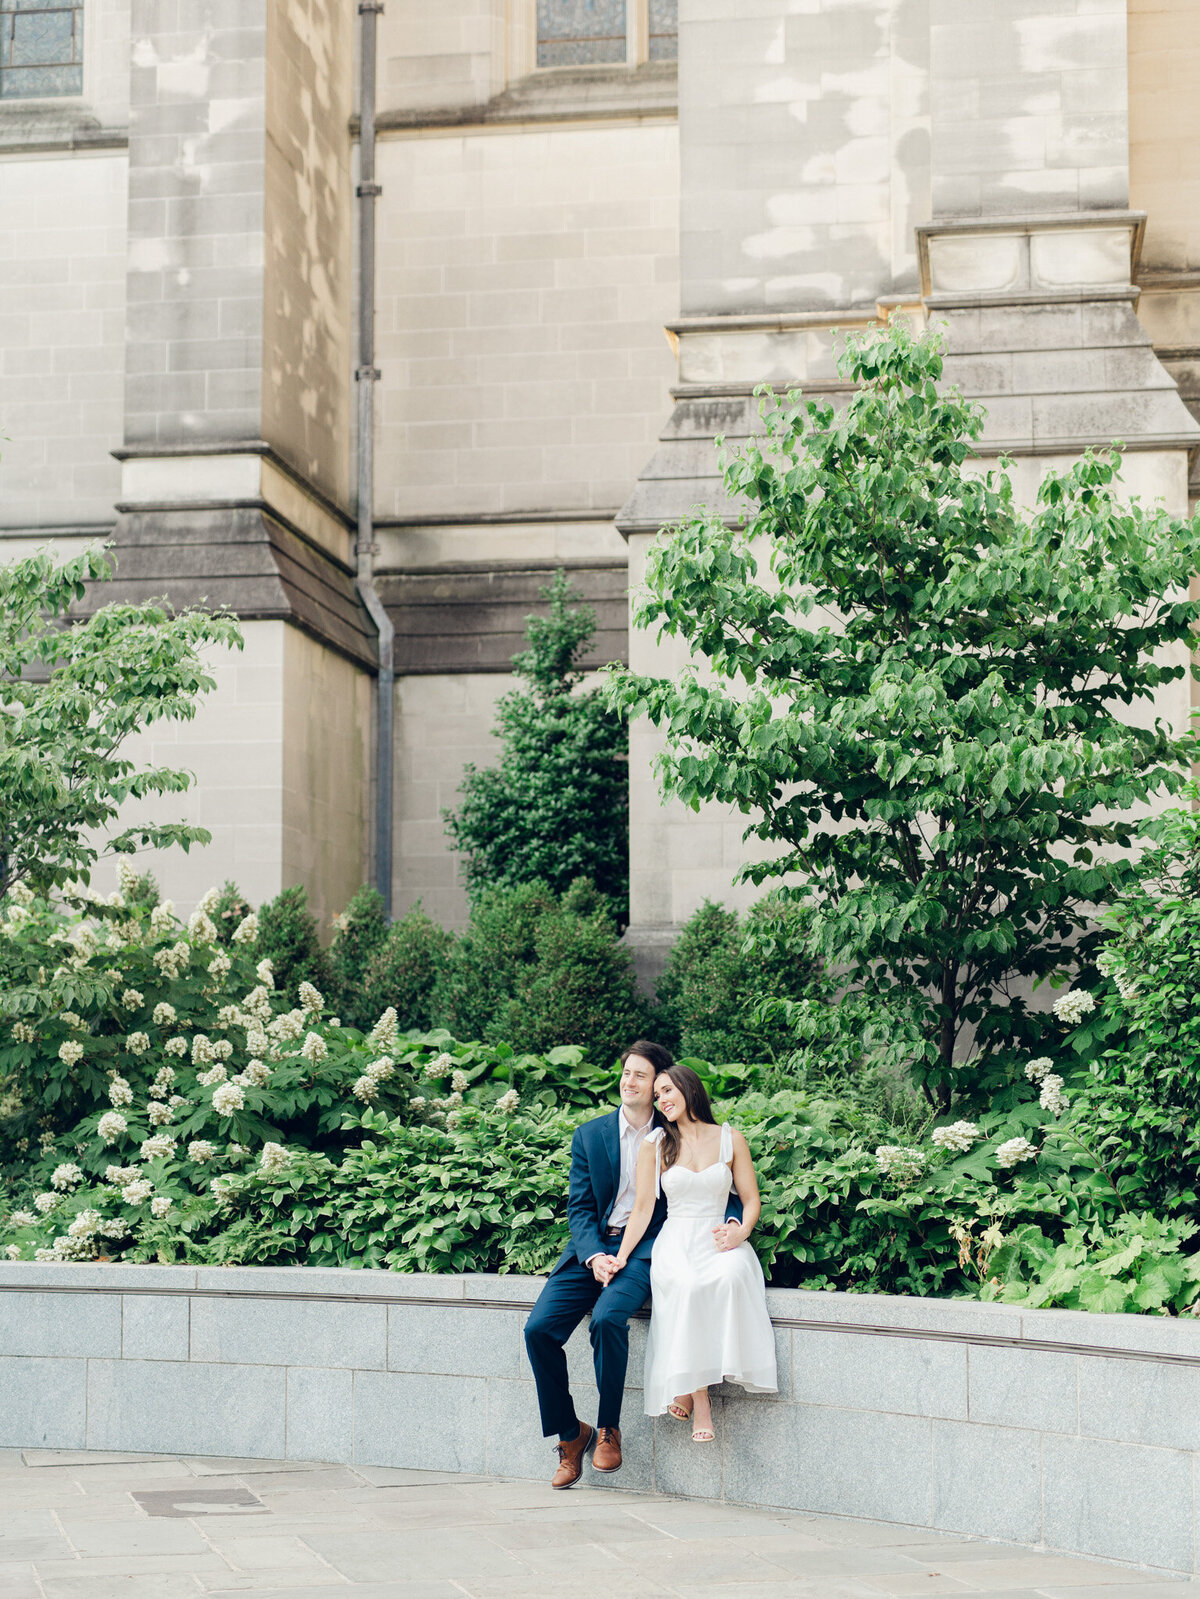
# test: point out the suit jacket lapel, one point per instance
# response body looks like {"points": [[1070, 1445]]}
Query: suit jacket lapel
{"points": [[612, 1148]]}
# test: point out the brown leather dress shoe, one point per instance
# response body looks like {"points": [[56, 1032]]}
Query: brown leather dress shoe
{"points": [[570, 1458], [607, 1456]]}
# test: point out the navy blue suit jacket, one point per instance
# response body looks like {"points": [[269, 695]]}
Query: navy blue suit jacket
{"points": [[595, 1183]]}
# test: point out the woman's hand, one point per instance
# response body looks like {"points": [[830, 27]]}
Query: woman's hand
{"points": [[728, 1236], [619, 1264]]}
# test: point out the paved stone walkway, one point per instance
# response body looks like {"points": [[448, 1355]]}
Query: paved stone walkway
{"points": [[99, 1526]]}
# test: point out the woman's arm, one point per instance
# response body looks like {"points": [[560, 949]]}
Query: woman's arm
{"points": [[731, 1233], [643, 1204]]}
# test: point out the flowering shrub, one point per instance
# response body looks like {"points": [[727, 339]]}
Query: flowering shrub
{"points": [[1137, 1265]]}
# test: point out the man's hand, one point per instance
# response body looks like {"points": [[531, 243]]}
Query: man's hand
{"points": [[727, 1236], [604, 1268]]}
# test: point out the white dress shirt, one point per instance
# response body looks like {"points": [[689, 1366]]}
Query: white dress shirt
{"points": [[632, 1139]]}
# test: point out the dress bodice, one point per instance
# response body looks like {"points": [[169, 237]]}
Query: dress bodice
{"points": [[699, 1195]]}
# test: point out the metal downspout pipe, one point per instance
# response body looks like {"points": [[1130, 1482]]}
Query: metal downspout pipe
{"points": [[368, 376]]}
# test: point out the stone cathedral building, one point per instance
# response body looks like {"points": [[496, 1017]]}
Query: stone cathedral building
{"points": [[600, 223]]}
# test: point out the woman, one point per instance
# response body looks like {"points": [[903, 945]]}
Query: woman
{"points": [[709, 1321]]}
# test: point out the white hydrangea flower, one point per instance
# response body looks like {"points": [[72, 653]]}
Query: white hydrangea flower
{"points": [[265, 970], [176, 1046], [246, 932], [66, 1176], [45, 1203], [381, 1069], [1037, 1069], [214, 1074], [12, 1251], [365, 1088], [1073, 1006], [237, 1151], [133, 999], [440, 1066], [313, 1049], [257, 1074], [159, 1146], [165, 1015], [84, 1224], [417, 1102], [220, 965], [158, 1114], [202, 1050], [139, 1192], [121, 1176], [258, 1002], [1126, 987], [115, 1228], [126, 876], [208, 901], [257, 1042], [383, 1034], [229, 1016], [201, 1150], [46, 1254], [222, 1049], [23, 1033], [137, 1043], [1014, 1151], [311, 999], [111, 1125], [119, 1092], [162, 917], [176, 1100], [228, 1098], [160, 1205], [23, 1218], [116, 900], [273, 1158], [899, 1161], [162, 1082], [21, 894], [171, 962], [958, 1137], [458, 1082], [200, 926], [287, 1026], [335, 1021], [452, 1121], [1052, 1097], [70, 1052], [507, 1103]]}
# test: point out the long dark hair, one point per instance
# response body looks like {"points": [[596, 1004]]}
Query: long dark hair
{"points": [[695, 1097]]}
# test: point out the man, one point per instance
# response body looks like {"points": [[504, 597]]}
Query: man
{"points": [[604, 1155]]}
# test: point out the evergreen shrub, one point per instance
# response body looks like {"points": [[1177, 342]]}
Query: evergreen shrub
{"points": [[289, 939]]}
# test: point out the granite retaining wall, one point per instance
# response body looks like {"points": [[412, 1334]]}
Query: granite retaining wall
{"points": [[1075, 1432]]}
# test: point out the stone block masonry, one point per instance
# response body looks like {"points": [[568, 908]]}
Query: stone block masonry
{"points": [[1045, 1428]]}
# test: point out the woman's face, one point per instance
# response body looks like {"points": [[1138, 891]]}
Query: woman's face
{"points": [[669, 1099]]}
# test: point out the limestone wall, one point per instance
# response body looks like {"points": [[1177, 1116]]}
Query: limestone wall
{"points": [[62, 335], [307, 393], [1058, 1429], [524, 281]]}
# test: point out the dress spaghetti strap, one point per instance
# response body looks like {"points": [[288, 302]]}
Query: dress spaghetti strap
{"points": [[726, 1154]]}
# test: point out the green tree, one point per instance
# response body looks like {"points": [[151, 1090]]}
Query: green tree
{"points": [[74, 693], [288, 937], [922, 709], [556, 807]]}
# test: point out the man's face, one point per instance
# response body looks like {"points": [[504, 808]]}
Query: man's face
{"points": [[637, 1083]]}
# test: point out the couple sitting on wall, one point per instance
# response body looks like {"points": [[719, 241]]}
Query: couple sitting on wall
{"points": [[661, 1199]]}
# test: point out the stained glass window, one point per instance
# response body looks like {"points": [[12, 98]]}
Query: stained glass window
{"points": [[41, 48], [664, 30], [574, 33]]}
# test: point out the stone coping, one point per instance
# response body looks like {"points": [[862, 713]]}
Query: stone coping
{"points": [[1173, 1340]]}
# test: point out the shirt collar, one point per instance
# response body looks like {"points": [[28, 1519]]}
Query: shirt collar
{"points": [[627, 1127]]}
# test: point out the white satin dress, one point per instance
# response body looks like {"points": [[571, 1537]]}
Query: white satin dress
{"points": [[708, 1320]]}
